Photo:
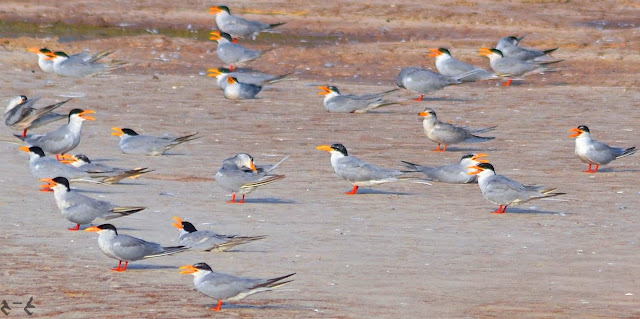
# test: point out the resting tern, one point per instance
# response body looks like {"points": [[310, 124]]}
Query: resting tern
{"points": [[21, 115], [240, 91], [255, 78], [594, 152], [65, 138], [503, 191], [335, 102], [46, 64], [509, 48], [83, 163], [425, 81], [239, 27], [207, 240], [81, 209], [133, 143], [45, 167], [512, 67], [360, 173], [127, 248], [447, 134], [449, 66], [65, 65], [232, 53], [241, 176], [224, 287], [457, 173]]}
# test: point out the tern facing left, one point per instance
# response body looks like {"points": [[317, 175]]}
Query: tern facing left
{"points": [[456, 173], [594, 152]]}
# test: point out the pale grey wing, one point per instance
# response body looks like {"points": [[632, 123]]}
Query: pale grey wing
{"points": [[58, 141], [513, 66], [450, 134], [452, 173], [249, 91], [345, 104], [425, 81], [78, 68], [355, 170], [599, 152], [49, 168], [46, 119], [202, 240], [455, 68], [503, 191], [253, 77], [144, 144], [223, 286], [231, 53], [241, 27], [19, 112], [84, 210], [130, 248], [99, 168], [232, 179]]}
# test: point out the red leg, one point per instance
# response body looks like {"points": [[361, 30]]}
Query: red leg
{"points": [[444, 148], [508, 83], [232, 68], [233, 199], [218, 307], [420, 98], [75, 228], [588, 169], [501, 210], [437, 149], [596, 169], [235, 40], [353, 191], [58, 157], [117, 269], [126, 263], [24, 133], [242, 201]]}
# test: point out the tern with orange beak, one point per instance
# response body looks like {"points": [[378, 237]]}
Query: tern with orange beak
{"points": [[594, 152], [46, 63], [425, 81], [64, 65], [128, 248], [225, 287], [231, 53], [21, 115], [64, 139], [360, 173], [255, 78], [503, 191], [447, 134], [83, 163], [241, 176], [237, 26], [134, 143], [456, 173], [509, 48], [80, 209], [335, 102], [207, 240], [513, 67], [448, 65], [240, 91]]}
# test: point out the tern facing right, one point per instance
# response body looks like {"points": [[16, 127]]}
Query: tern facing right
{"points": [[22, 116], [80, 209], [335, 102], [225, 287], [133, 143], [594, 152], [503, 191], [207, 240], [447, 134], [456, 173], [240, 175], [128, 248]]}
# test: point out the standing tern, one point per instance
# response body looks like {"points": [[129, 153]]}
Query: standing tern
{"points": [[425, 81], [241, 176], [255, 78], [225, 287], [133, 143], [128, 248], [360, 173], [335, 102], [64, 65], [503, 191], [239, 27], [207, 240], [80, 209], [449, 66], [513, 67], [509, 48], [456, 173], [231, 53], [236, 90], [45, 167], [21, 115], [65, 138], [447, 134], [594, 152]]}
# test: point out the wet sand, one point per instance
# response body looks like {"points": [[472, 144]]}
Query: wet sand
{"points": [[394, 251]]}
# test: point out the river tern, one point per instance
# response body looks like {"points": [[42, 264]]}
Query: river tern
{"points": [[133, 143], [335, 102], [231, 53], [207, 240], [447, 134], [594, 152], [449, 66], [456, 173], [241, 176], [21, 115]]}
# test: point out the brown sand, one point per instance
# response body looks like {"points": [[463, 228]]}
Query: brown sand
{"points": [[395, 251]]}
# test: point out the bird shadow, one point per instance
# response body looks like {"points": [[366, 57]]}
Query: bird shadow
{"points": [[249, 306], [611, 170], [268, 200], [442, 99], [533, 211], [369, 191], [148, 267], [470, 149]]}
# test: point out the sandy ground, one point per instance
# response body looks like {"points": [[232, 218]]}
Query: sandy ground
{"points": [[393, 251]]}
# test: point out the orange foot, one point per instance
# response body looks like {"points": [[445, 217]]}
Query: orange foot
{"points": [[501, 210], [121, 269], [437, 149], [353, 191], [218, 307], [420, 98], [508, 83], [75, 228]]}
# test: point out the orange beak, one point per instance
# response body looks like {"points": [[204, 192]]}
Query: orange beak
{"points": [[34, 50], [230, 80], [484, 51], [215, 35], [88, 118], [118, 131], [424, 114], [253, 166], [434, 53], [178, 224], [478, 156], [47, 187], [68, 158], [214, 10], [93, 229], [479, 169], [25, 148], [577, 133], [188, 269], [325, 148], [214, 72], [325, 90], [50, 56]]}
